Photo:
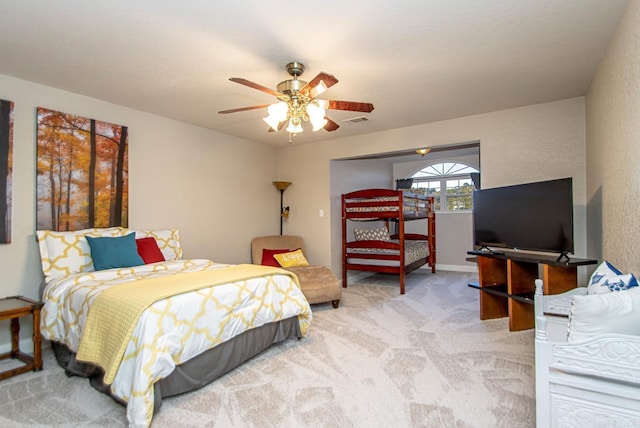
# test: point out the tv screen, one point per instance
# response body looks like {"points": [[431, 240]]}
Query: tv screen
{"points": [[533, 216]]}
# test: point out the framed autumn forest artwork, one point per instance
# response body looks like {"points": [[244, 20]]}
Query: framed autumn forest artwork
{"points": [[83, 178], [6, 148]]}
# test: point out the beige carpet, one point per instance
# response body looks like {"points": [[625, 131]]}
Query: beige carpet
{"points": [[381, 360]]}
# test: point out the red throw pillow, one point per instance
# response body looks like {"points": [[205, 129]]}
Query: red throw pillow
{"points": [[267, 256], [149, 250]]}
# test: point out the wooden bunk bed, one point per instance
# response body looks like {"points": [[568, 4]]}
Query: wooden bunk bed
{"points": [[398, 253]]}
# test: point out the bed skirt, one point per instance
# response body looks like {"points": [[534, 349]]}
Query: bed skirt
{"points": [[198, 371]]}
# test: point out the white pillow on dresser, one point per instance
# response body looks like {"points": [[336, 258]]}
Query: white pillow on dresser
{"points": [[615, 312], [607, 278]]}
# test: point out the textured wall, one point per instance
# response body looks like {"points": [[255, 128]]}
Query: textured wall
{"points": [[347, 176], [180, 176], [613, 148], [540, 142]]}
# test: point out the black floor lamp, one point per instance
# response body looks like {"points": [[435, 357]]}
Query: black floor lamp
{"points": [[284, 211]]}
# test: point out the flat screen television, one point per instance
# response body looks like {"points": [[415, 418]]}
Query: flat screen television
{"points": [[533, 216]]}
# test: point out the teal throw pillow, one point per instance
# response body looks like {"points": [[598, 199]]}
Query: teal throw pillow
{"points": [[118, 252]]}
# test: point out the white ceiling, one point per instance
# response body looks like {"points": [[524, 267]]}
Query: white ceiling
{"points": [[417, 61]]}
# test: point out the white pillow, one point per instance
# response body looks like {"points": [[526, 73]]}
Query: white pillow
{"points": [[168, 241], [65, 253], [607, 278], [381, 234], [604, 313]]}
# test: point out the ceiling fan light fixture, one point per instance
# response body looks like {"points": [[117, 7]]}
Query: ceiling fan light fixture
{"points": [[272, 122], [277, 113], [316, 116], [314, 110], [297, 102], [295, 127], [318, 124]]}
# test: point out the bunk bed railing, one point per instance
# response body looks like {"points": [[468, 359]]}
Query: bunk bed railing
{"points": [[372, 203], [386, 204], [411, 237], [382, 245], [371, 193], [367, 215]]}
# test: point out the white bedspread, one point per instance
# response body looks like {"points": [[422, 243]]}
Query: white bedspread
{"points": [[173, 330]]}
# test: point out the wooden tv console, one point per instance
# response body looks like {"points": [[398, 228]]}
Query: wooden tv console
{"points": [[506, 282]]}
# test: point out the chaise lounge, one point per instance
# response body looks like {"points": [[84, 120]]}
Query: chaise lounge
{"points": [[318, 283]]}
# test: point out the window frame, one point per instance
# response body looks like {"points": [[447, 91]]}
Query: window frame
{"points": [[443, 178]]}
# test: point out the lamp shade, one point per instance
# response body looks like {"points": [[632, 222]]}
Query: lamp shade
{"points": [[277, 113], [316, 116], [295, 127], [282, 185]]}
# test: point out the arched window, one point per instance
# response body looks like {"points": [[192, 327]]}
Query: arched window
{"points": [[454, 178]]}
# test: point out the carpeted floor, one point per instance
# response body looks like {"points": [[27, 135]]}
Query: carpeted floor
{"points": [[381, 360]]}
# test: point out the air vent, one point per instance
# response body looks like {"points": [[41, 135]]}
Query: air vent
{"points": [[356, 119]]}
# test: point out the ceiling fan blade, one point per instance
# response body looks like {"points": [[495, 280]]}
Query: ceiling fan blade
{"points": [[280, 126], [235, 110], [349, 105], [318, 84], [330, 125], [254, 85]]}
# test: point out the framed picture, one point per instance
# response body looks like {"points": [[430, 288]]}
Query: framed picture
{"points": [[6, 151], [83, 178]]}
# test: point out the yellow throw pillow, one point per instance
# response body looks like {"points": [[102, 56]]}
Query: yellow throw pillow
{"points": [[294, 258]]}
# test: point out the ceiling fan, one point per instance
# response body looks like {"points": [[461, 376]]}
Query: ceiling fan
{"points": [[298, 102]]}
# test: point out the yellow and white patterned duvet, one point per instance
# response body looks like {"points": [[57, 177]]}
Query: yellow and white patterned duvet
{"points": [[172, 330]]}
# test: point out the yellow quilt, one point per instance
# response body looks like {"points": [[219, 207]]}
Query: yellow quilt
{"points": [[115, 312]]}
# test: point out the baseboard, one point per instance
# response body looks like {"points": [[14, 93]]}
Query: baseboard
{"points": [[26, 346], [456, 268], [354, 277]]}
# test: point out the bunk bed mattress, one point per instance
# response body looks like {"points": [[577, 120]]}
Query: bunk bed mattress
{"points": [[173, 330], [412, 207], [413, 251]]}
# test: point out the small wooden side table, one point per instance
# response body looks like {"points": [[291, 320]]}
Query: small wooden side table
{"points": [[13, 308]]}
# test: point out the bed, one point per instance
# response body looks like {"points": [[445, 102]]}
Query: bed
{"points": [[161, 328], [375, 248]]}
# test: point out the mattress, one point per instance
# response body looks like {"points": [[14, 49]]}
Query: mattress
{"points": [[414, 251]]}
